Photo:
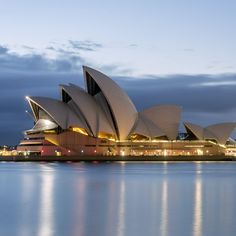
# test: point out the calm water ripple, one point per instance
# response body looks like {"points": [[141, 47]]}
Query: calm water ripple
{"points": [[118, 199]]}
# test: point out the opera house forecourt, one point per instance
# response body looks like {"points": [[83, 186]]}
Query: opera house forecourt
{"points": [[102, 120]]}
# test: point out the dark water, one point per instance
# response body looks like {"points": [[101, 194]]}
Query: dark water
{"points": [[120, 199]]}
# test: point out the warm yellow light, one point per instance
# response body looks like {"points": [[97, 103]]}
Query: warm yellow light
{"points": [[52, 141], [221, 145], [79, 130], [49, 131], [58, 153], [106, 136], [165, 152], [137, 137], [122, 153], [199, 152]]}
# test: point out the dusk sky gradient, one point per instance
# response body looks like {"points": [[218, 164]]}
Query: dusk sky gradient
{"points": [[161, 52]]}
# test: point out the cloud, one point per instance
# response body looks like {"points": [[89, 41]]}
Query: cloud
{"points": [[210, 104], [14, 87], [217, 83], [27, 47], [188, 50], [133, 45], [205, 99], [86, 45], [34, 73], [36, 62], [3, 50], [114, 69]]}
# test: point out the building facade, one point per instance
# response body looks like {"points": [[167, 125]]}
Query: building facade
{"points": [[102, 120]]}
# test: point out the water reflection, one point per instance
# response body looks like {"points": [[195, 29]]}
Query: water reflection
{"points": [[164, 210], [46, 218], [26, 196], [118, 199], [80, 207], [164, 204], [121, 210], [197, 219]]}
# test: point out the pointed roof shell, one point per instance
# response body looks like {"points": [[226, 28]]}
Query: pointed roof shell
{"points": [[147, 128], [221, 131], [122, 108], [165, 117], [57, 110], [91, 111], [197, 130]]}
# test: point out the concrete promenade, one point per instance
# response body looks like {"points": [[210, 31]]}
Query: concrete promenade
{"points": [[114, 158]]}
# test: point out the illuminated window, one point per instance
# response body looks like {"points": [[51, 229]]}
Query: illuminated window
{"points": [[79, 130], [106, 136], [136, 136]]}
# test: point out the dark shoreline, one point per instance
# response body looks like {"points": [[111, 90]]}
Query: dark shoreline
{"points": [[114, 158]]}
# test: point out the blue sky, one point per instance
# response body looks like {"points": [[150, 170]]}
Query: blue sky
{"points": [[187, 45], [144, 37]]}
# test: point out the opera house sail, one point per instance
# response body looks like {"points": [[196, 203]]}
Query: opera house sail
{"points": [[90, 121]]}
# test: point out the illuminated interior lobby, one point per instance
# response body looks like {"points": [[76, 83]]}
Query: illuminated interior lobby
{"points": [[102, 120]]}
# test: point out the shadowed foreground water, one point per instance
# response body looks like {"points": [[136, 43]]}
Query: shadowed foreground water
{"points": [[174, 199]]}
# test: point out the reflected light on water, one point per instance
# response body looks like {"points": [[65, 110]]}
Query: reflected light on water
{"points": [[80, 186], [27, 194], [198, 168], [164, 209], [121, 210], [46, 202], [138, 199], [197, 218], [164, 203]]}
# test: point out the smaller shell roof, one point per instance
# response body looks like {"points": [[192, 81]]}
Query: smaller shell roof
{"points": [[85, 103], [92, 112], [147, 128], [165, 117], [57, 110], [220, 132], [197, 130], [43, 124]]}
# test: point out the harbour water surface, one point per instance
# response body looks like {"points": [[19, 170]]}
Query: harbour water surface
{"points": [[109, 199]]}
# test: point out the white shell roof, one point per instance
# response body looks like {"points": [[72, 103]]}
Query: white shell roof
{"points": [[105, 107], [58, 111], [92, 112], [147, 128], [220, 132], [43, 124], [165, 117], [122, 107], [197, 130]]}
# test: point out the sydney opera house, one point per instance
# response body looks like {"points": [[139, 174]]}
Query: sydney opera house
{"points": [[102, 120]]}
